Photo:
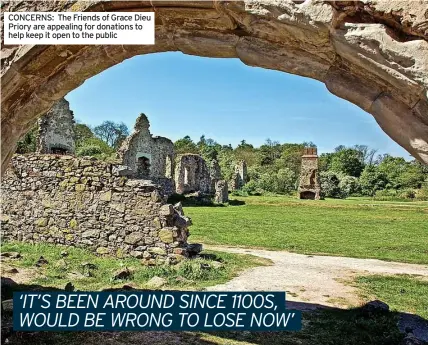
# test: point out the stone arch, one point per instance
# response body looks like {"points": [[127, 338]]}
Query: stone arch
{"points": [[374, 55]]}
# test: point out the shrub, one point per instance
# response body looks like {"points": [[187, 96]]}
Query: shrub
{"points": [[90, 150], [330, 184], [349, 185]]}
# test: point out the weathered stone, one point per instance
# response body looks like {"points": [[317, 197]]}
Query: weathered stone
{"points": [[166, 235], [145, 155], [56, 130], [123, 273], [82, 219], [7, 306], [239, 177], [309, 182], [156, 250], [192, 175], [41, 261], [156, 283], [221, 192], [10, 255], [105, 196], [167, 210], [103, 250], [134, 238]]}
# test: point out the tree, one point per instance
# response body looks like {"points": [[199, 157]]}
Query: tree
{"points": [[372, 180], [401, 174], [347, 161], [185, 145], [82, 132], [28, 143], [112, 133]]}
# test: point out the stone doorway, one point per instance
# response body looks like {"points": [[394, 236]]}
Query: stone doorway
{"points": [[143, 167]]}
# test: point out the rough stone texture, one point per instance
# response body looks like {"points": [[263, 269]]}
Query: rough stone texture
{"points": [[81, 202], [239, 177], [309, 182], [147, 156], [221, 192], [56, 130], [192, 175], [372, 53]]}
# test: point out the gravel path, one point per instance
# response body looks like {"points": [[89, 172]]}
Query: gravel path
{"points": [[311, 279]]}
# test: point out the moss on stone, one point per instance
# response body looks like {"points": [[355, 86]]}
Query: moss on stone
{"points": [[73, 223], [165, 236], [102, 250], [41, 222]]}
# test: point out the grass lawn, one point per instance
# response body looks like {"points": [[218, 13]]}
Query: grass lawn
{"points": [[355, 227], [402, 293], [189, 274]]}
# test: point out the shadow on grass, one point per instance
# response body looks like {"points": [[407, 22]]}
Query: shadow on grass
{"points": [[201, 201], [321, 326]]}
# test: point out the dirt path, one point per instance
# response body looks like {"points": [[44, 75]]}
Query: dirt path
{"points": [[311, 279]]}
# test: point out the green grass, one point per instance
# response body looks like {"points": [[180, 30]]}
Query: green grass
{"points": [[402, 293], [198, 273], [355, 227]]}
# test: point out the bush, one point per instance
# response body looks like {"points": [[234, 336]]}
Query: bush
{"points": [[395, 195], [349, 185], [422, 194], [90, 150], [330, 185]]}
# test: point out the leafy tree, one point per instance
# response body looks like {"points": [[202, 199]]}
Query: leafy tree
{"points": [[269, 152], [401, 174], [185, 145], [372, 180], [82, 132], [28, 143], [347, 161], [112, 133]]}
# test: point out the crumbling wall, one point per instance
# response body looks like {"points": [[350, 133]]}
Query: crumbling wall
{"points": [[147, 156], [86, 203], [239, 177], [221, 192], [56, 130], [192, 175], [309, 182]]}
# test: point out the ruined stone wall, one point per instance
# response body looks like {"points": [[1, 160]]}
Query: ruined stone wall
{"points": [[147, 156], [239, 177], [85, 202], [56, 129], [192, 175], [309, 182]]}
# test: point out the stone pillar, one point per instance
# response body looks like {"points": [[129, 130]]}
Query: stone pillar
{"points": [[221, 192], [309, 184]]}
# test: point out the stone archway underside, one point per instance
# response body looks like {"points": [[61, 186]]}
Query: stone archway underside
{"points": [[374, 55]]}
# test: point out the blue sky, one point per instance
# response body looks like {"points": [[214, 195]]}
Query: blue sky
{"points": [[227, 101]]}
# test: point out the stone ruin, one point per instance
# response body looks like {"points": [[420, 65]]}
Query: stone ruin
{"points": [[148, 157], [117, 209], [192, 175], [239, 177], [83, 202], [221, 192], [309, 183], [56, 130]]}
